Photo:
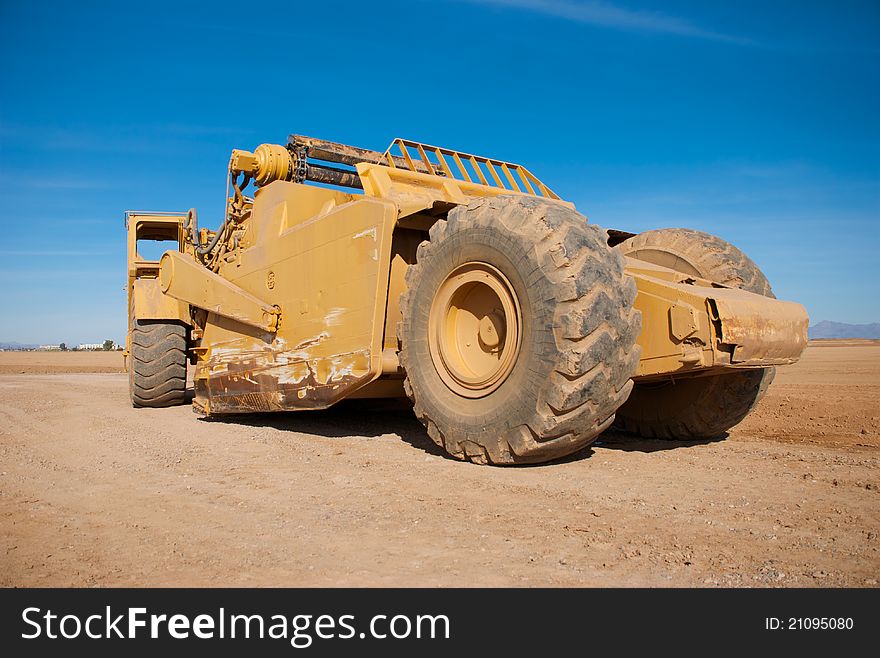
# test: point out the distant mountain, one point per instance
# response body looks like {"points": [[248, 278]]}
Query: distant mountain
{"points": [[17, 346], [826, 329]]}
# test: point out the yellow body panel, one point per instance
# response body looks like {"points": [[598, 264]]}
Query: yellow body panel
{"points": [[413, 191], [182, 278], [691, 325], [151, 304], [327, 272]]}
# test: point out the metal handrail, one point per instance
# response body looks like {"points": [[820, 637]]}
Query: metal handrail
{"points": [[414, 156]]}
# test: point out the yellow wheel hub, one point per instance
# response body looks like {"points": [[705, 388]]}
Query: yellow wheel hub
{"points": [[475, 329]]}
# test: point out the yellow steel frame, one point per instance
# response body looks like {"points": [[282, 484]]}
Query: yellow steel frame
{"points": [[145, 298], [519, 179], [302, 307], [692, 325], [321, 257]]}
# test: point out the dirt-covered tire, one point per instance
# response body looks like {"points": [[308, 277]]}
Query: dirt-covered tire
{"points": [[157, 370], [575, 327], [700, 254], [698, 407]]}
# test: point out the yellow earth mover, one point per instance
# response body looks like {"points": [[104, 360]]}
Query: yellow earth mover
{"points": [[518, 330]]}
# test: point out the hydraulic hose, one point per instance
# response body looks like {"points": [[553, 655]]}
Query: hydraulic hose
{"points": [[192, 218]]}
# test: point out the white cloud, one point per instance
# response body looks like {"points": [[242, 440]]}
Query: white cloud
{"points": [[605, 14]]}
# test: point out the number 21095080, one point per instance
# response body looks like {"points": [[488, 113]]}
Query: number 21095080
{"points": [[808, 623]]}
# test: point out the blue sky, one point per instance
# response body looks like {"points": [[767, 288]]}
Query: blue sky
{"points": [[755, 121]]}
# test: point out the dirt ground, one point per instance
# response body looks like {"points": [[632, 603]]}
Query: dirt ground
{"points": [[45, 363], [93, 492]]}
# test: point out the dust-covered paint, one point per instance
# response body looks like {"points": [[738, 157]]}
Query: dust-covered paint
{"points": [[760, 330], [275, 377]]}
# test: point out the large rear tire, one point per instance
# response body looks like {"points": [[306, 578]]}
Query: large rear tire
{"points": [[518, 336], [157, 372], [697, 407]]}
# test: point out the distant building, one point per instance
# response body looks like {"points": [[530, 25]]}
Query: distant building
{"points": [[90, 346], [49, 348]]}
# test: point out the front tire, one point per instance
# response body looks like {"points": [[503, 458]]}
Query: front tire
{"points": [[698, 407], [157, 372], [519, 333]]}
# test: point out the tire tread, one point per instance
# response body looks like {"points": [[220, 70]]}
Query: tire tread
{"points": [[592, 358], [157, 369]]}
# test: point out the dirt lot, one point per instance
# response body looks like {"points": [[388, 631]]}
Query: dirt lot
{"points": [[45, 363], [93, 492]]}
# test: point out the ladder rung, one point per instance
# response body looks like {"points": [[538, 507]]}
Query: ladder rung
{"points": [[515, 178]]}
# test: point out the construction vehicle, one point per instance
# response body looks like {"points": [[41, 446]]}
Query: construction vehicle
{"points": [[518, 330]]}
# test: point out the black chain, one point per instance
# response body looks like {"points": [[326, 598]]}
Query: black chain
{"points": [[301, 152]]}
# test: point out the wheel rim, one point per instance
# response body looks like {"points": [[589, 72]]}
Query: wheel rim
{"points": [[475, 329]]}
